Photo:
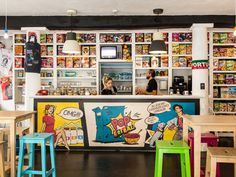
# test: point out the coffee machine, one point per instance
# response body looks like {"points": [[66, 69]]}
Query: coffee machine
{"points": [[179, 86]]}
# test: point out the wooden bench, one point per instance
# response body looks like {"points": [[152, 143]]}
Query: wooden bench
{"points": [[218, 155]]}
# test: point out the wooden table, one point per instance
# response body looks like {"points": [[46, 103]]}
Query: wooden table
{"points": [[11, 118], [201, 124]]}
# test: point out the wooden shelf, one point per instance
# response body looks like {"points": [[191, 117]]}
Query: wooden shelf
{"points": [[180, 55], [229, 44]]}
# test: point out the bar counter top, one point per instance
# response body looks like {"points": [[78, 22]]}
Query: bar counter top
{"points": [[119, 97]]}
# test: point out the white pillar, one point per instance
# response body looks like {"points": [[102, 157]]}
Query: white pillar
{"points": [[200, 84]]}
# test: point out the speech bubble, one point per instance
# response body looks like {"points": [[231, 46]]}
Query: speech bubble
{"points": [[71, 113], [151, 120], [159, 107]]}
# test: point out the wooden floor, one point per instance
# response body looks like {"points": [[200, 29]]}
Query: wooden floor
{"points": [[117, 164]]}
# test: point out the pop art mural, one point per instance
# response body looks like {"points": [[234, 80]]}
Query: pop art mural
{"points": [[63, 119], [114, 124]]}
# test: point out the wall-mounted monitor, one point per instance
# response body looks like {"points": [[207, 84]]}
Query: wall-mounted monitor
{"points": [[108, 52]]}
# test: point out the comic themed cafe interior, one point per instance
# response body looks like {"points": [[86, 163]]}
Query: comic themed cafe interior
{"points": [[118, 88]]}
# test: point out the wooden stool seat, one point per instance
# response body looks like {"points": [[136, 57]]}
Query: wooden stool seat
{"points": [[218, 155]]}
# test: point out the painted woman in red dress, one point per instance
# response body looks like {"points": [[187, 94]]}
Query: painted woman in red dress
{"points": [[48, 126]]}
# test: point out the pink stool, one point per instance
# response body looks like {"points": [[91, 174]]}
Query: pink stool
{"points": [[212, 141]]}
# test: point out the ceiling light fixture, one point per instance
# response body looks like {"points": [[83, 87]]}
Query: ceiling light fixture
{"points": [[5, 26], [71, 45], [158, 45]]}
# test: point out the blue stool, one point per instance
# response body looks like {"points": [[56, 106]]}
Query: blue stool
{"points": [[32, 139]]}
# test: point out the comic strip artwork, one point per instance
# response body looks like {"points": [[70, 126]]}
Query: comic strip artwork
{"points": [[116, 124], [135, 124], [63, 119]]}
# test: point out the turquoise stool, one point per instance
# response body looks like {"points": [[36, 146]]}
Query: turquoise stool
{"points": [[32, 139], [172, 147]]}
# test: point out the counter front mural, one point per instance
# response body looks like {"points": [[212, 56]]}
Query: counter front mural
{"points": [[63, 119], [135, 124], [101, 123]]}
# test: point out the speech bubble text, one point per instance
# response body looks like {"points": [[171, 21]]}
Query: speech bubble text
{"points": [[159, 107], [151, 120], [71, 113]]}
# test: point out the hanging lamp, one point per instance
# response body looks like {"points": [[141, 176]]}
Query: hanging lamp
{"points": [[5, 28], [158, 45], [71, 46]]}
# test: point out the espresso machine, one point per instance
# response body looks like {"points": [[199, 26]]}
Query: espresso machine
{"points": [[179, 86]]}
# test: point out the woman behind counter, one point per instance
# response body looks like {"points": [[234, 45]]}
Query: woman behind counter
{"points": [[108, 89]]}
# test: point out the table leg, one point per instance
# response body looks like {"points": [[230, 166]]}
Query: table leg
{"points": [[185, 131], [32, 119], [197, 150], [13, 147]]}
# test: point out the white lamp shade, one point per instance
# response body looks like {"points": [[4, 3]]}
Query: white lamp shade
{"points": [[71, 45]]}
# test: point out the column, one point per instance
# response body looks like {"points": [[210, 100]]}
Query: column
{"points": [[200, 72]]}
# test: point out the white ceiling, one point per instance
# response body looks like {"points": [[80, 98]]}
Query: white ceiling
{"points": [[125, 7]]}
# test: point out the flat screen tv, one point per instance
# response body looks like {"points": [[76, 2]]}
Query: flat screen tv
{"points": [[108, 52]]}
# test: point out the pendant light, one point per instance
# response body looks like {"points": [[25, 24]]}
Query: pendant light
{"points": [[5, 28], [158, 45], [71, 46]]}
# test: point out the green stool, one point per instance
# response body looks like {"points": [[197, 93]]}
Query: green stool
{"points": [[172, 147]]}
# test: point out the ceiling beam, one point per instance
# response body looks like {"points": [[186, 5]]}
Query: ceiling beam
{"points": [[116, 22]]}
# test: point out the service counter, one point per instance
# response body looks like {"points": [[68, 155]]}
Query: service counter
{"points": [[112, 122]]}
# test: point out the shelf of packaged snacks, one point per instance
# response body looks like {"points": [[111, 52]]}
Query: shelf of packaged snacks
{"points": [[114, 61], [181, 42], [145, 43], [224, 72], [232, 58], [164, 55], [74, 56], [156, 68], [227, 44], [79, 43], [72, 78], [76, 69], [184, 55], [156, 77], [116, 43], [224, 85], [224, 99], [181, 68]]}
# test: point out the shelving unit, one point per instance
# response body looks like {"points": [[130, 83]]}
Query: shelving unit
{"points": [[223, 72]]}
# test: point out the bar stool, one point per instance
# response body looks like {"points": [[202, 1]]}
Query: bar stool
{"points": [[172, 147], [211, 140], [32, 139], [218, 155]]}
